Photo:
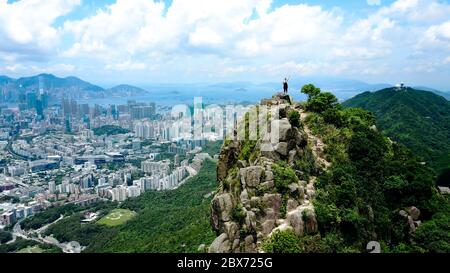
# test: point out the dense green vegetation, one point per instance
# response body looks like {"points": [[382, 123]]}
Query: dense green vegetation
{"points": [[21, 244], [52, 214], [71, 229], [294, 118], [444, 178], [359, 197], [110, 130], [282, 242], [419, 120], [169, 221], [283, 177], [212, 147], [5, 236], [12, 199], [48, 216]]}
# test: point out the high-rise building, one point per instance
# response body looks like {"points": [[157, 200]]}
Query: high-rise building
{"points": [[67, 125], [16, 170], [119, 194], [176, 160], [133, 191], [152, 167], [40, 109], [31, 100], [52, 187]]}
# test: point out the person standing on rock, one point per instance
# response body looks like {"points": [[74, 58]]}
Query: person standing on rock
{"points": [[286, 85]]}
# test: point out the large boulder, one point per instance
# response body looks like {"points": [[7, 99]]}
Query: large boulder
{"points": [[291, 205], [268, 226], [282, 98], [250, 220], [220, 245], [255, 202], [269, 176], [250, 246], [283, 110], [295, 220], [282, 127], [244, 198], [268, 151], [309, 217], [292, 157], [253, 176], [221, 208], [227, 158], [232, 230], [273, 202], [283, 227], [414, 212], [282, 148]]}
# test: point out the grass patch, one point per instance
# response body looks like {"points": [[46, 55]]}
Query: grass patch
{"points": [[117, 217], [31, 249]]}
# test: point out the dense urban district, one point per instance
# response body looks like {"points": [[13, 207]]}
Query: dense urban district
{"points": [[70, 163]]}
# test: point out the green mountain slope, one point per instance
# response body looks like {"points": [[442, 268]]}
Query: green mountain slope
{"points": [[418, 119], [166, 222], [333, 183]]}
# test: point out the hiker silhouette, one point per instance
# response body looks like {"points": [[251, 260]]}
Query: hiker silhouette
{"points": [[286, 85]]}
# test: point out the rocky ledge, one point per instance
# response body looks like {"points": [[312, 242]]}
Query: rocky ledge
{"points": [[264, 186]]}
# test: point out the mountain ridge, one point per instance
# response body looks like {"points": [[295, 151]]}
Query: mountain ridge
{"points": [[332, 183], [69, 87], [416, 118]]}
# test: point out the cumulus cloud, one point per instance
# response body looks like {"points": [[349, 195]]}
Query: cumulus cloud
{"points": [[226, 38], [126, 66], [439, 33], [26, 27], [235, 29]]}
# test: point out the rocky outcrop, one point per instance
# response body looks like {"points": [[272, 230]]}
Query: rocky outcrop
{"points": [[249, 206], [411, 215]]}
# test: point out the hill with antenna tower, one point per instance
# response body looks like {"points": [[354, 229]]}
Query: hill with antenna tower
{"points": [[418, 119]]}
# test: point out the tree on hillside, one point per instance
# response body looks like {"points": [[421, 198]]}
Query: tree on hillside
{"points": [[322, 102], [311, 91]]}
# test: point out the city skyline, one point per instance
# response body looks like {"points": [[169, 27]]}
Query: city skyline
{"points": [[377, 41]]}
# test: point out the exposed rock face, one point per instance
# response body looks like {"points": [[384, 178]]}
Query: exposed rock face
{"points": [[411, 215], [227, 159], [221, 206], [248, 206]]}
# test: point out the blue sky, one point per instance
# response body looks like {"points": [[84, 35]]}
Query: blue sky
{"points": [[148, 41]]}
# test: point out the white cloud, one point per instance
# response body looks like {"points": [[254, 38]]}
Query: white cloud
{"points": [[228, 38], [439, 33], [126, 66], [204, 36], [302, 38], [26, 27]]}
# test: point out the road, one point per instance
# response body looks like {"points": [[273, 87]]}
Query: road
{"points": [[19, 233], [10, 150]]}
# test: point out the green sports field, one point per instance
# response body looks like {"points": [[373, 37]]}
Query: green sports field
{"points": [[117, 217]]}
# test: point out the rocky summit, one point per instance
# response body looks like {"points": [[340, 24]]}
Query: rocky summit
{"points": [[251, 204]]}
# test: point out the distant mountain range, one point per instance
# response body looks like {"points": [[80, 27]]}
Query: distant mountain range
{"points": [[416, 118], [69, 87], [127, 90], [73, 87], [446, 95]]}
